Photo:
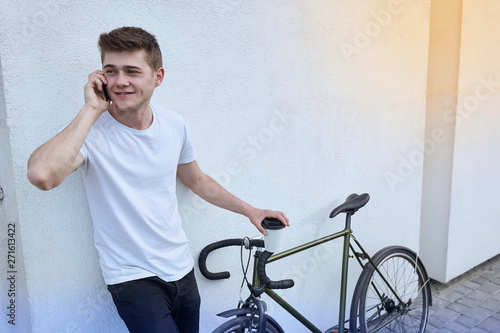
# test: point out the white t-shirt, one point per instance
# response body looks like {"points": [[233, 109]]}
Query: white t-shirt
{"points": [[130, 180]]}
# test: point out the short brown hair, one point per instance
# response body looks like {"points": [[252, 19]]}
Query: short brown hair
{"points": [[131, 39]]}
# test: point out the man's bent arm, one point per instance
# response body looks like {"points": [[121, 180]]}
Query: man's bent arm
{"points": [[52, 162], [211, 191]]}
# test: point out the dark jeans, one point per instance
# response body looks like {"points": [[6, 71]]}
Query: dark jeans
{"points": [[152, 305]]}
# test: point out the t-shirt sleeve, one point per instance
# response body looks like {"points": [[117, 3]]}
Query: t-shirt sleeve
{"points": [[85, 152], [188, 154]]}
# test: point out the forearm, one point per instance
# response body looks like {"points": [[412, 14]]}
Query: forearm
{"points": [[52, 162], [211, 191]]}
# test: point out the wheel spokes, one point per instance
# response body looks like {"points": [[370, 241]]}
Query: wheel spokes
{"points": [[402, 274]]}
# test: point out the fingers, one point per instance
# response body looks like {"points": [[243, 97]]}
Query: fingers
{"points": [[279, 215], [94, 91], [261, 229], [97, 79], [284, 219], [262, 214]]}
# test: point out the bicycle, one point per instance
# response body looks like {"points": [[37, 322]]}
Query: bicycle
{"points": [[392, 293]]}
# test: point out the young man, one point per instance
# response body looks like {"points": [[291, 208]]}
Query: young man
{"points": [[130, 153]]}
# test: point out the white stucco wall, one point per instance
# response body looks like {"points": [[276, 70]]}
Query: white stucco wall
{"points": [[442, 85], [459, 206], [291, 105], [474, 211], [13, 285]]}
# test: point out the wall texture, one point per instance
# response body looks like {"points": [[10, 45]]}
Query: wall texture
{"points": [[474, 212], [292, 105], [443, 72], [459, 224]]}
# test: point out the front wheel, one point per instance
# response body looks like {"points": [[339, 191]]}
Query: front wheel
{"points": [[245, 324], [380, 310]]}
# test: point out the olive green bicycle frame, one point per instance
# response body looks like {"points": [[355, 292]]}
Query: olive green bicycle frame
{"points": [[347, 234]]}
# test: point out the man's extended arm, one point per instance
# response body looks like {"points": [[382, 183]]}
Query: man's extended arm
{"points": [[211, 191], [52, 162]]}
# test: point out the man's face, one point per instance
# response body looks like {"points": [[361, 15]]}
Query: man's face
{"points": [[131, 81]]}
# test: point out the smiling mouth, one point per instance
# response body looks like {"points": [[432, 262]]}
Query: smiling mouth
{"points": [[123, 93]]}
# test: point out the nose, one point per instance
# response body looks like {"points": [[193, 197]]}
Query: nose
{"points": [[122, 80]]}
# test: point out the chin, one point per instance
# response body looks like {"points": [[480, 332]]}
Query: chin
{"points": [[128, 108]]}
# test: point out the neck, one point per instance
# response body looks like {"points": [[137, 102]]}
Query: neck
{"points": [[139, 119]]}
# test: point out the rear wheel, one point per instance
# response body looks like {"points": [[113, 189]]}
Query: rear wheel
{"points": [[247, 324], [379, 308]]}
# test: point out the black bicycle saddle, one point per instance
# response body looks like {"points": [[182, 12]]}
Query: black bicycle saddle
{"points": [[352, 204]]}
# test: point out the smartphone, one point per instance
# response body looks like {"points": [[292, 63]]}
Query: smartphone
{"points": [[105, 91]]}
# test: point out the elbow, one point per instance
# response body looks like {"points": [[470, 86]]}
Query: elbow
{"points": [[40, 179]]}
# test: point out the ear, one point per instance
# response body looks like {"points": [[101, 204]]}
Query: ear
{"points": [[159, 75]]}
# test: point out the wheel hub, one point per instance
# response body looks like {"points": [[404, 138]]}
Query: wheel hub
{"points": [[390, 306]]}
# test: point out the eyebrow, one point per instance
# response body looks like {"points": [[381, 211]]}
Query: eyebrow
{"points": [[126, 67]]}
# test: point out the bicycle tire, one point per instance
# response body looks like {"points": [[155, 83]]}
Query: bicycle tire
{"points": [[378, 308], [243, 325]]}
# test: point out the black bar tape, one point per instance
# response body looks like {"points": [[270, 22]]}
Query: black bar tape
{"points": [[265, 280], [202, 259]]}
